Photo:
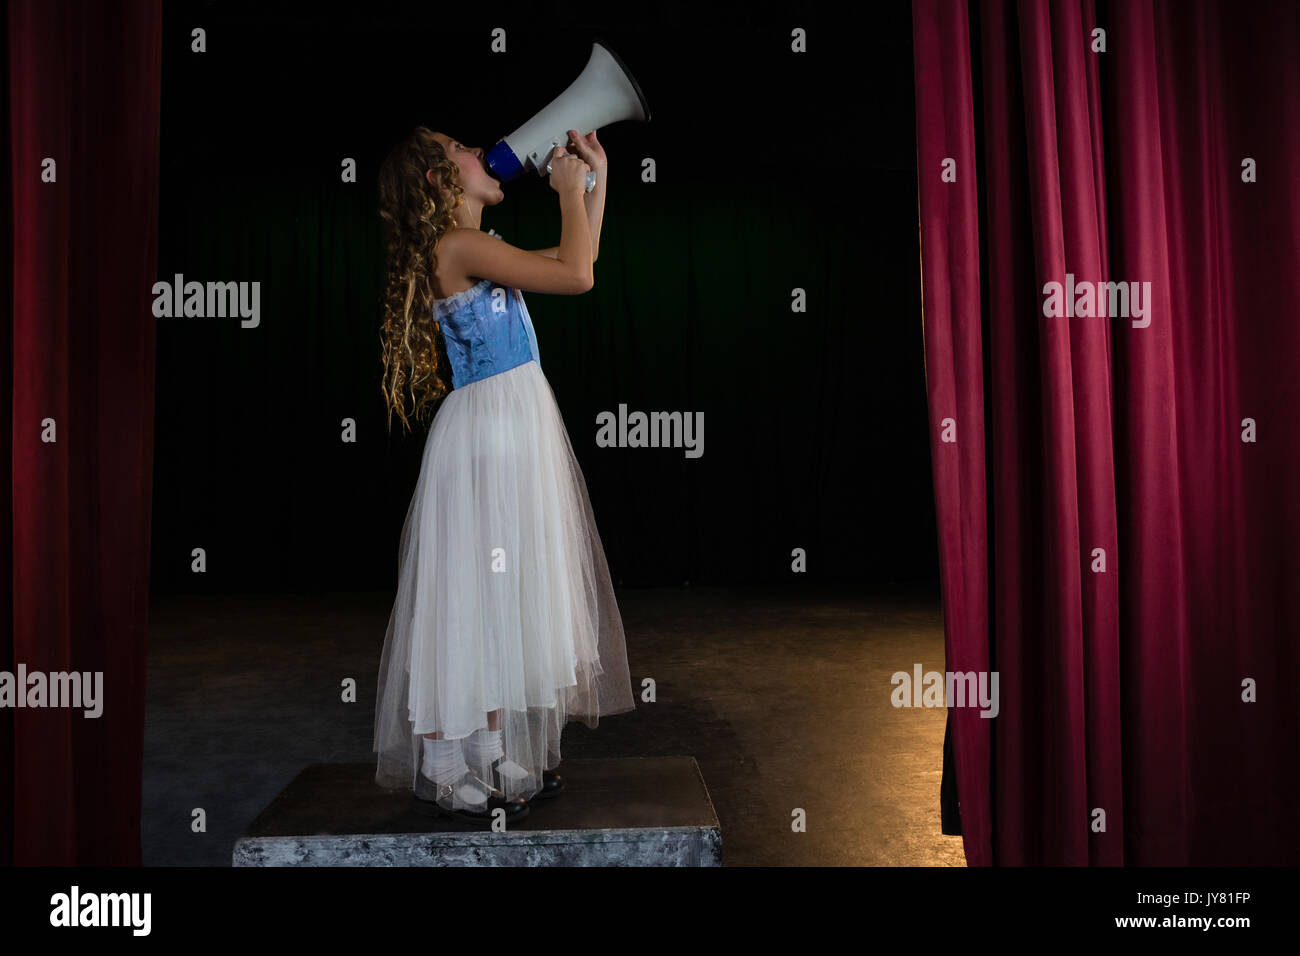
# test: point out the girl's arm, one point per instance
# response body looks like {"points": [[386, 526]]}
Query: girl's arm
{"points": [[595, 201], [595, 204], [471, 252], [593, 154]]}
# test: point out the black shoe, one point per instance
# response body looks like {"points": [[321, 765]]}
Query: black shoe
{"points": [[552, 783], [444, 800]]}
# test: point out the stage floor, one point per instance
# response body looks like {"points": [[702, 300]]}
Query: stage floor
{"points": [[782, 698]]}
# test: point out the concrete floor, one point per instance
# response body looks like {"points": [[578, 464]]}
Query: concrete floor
{"points": [[783, 699]]}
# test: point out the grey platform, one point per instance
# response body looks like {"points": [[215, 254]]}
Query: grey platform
{"points": [[634, 811]]}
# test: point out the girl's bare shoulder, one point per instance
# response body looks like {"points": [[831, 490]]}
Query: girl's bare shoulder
{"points": [[448, 278]]}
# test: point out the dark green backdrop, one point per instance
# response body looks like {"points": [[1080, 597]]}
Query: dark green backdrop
{"points": [[775, 170]]}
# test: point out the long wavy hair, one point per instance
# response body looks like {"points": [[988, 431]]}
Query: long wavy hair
{"points": [[415, 215]]}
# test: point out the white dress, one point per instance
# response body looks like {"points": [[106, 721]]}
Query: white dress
{"points": [[504, 598]]}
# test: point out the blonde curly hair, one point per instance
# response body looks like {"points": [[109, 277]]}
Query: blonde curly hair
{"points": [[416, 215]]}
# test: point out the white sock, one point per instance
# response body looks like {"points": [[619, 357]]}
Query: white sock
{"points": [[444, 762], [483, 746]]}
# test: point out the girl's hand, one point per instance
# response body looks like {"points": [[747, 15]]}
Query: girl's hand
{"points": [[589, 148], [568, 172]]}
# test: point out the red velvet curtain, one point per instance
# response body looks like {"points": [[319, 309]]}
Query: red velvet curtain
{"points": [[83, 82], [1158, 687]]}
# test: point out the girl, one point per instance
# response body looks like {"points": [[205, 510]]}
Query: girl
{"points": [[505, 624]]}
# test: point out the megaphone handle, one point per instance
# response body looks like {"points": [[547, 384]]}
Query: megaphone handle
{"points": [[591, 178]]}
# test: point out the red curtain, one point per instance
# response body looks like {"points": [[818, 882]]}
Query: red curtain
{"points": [[83, 104], [1166, 445]]}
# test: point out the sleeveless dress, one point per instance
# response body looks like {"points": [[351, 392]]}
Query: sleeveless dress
{"points": [[504, 598]]}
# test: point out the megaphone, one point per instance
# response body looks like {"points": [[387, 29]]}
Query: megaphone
{"points": [[604, 93]]}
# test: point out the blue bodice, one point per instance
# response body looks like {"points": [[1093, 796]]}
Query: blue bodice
{"points": [[487, 330]]}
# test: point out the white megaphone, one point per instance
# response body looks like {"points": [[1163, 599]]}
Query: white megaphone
{"points": [[604, 93]]}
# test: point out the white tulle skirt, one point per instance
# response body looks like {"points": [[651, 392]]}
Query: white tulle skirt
{"points": [[504, 600]]}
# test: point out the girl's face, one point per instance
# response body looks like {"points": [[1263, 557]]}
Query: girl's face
{"points": [[473, 175]]}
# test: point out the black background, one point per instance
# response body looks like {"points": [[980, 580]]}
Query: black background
{"points": [[775, 170]]}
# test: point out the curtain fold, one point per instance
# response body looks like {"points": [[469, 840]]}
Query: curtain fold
{"points": [[82, 138], [1130, 573]]}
